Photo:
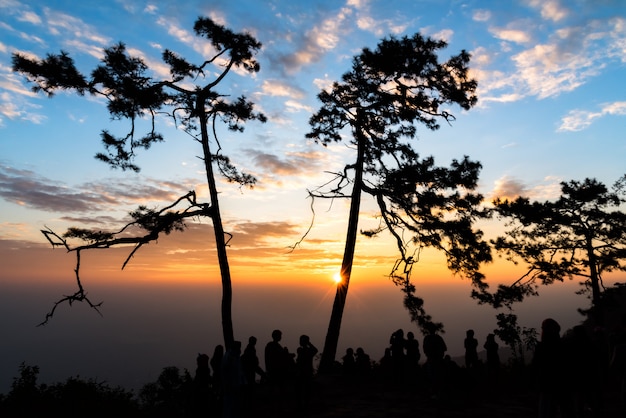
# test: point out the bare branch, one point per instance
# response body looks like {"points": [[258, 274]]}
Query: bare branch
{"points": [[164, 220]]}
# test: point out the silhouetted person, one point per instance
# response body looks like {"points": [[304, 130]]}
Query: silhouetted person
{"points": [[304, 371], [202, 386], [412, 356], [551, 365], [493, 358], [618, 360], [250, 362], [471, 352], [362, 363], [348, 362], [397, 343], [586, 381], [232, 381], [216, 367], [434, 349], [275, 362], [386, 366]]}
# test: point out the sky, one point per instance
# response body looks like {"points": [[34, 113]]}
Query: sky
{"points": [[551, 108]]}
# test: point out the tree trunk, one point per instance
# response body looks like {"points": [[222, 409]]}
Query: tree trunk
{"points": [[220, 240], [596, 297], [332, 336]]}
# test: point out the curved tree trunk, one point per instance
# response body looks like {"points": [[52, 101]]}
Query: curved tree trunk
{"points": [[334, 326], [220, 240]]}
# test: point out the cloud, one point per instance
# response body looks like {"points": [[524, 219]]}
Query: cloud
{"points": [[292, 169], [30, 17], [550, 9], [577, 120], [281, 88], [444, 35], [510, 188], [511, 35], [294, 163], [317, 41], [481, 15], [294, 106], [571, 56], [73, 29], [30, 190]]}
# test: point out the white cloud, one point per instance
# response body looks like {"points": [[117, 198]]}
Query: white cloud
{"points": [[444, 34], [294, 106], [73, 28], [281, 88], [151, 9], [323, 83], [31, 17], [550, 9], [481, 15], [511, 35], [564, 62], [577, 120]]}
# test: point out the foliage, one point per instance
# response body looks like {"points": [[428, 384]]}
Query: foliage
{"points": [[169, 396], [520, 340], [189, 97], [582, 234], [380, 100], [75, 397]]}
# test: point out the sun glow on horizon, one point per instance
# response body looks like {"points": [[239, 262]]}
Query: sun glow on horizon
{"points": [[337, 278]]}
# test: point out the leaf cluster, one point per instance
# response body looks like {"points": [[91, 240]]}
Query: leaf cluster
{"points": [[389, 91], [580, 234], [132, 93]]}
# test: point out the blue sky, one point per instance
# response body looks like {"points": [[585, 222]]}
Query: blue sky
{"points": [[552, 102], [552, 107]]}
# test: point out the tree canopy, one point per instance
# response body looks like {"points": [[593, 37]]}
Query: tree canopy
{"points": [[189, 96], [381, 100], [582, 234]]}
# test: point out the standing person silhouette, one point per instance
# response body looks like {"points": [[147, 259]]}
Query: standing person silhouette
{"points": [[250, 362], [304, 371], [274, 363], [551, 367], [471, 353], [397, 343], [493, 358], [412, 356], [216, 366], [434, 349], [232, 381]]}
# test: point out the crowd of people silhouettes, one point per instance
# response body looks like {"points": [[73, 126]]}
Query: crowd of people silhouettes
{"points": [[566, 371]]}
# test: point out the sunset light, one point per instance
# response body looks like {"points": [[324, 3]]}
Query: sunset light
{"points": [[234, 202]]}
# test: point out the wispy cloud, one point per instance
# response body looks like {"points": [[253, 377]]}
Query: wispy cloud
{"points": [[481, 15], [317, 41], [31, 190], [550, 9], [577, 120], [281, 88], [572, 55], [73, 29], [293, 164]]}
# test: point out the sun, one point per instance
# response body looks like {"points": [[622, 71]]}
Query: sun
{"points": [[337, 277]]}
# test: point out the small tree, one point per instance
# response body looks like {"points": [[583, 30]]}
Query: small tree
{"points": [[519, 339], [132, 94], [380, 100], [581, 234]]}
